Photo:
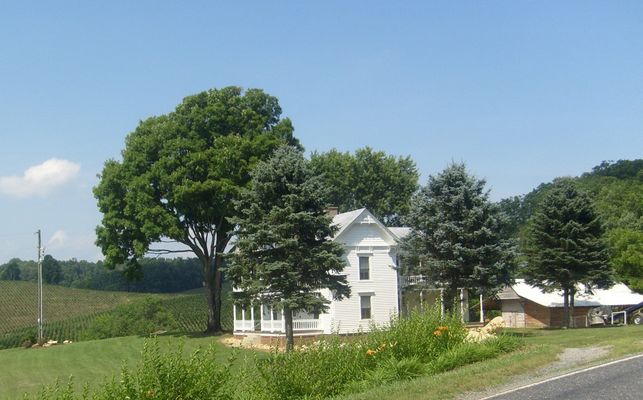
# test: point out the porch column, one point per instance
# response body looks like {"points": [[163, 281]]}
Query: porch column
{"points": [[283, 322], [481, 310], [243, 317], [234, 312], [442, 303], [252, 316]]}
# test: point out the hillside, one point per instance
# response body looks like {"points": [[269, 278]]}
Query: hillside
{"points": [[617, 191], [69, 312], [19, 303]]}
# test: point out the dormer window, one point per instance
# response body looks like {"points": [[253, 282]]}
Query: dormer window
{"points": [[364, 268]]}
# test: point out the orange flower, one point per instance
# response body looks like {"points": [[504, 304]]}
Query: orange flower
{"points": [[150, 393], [437, 333], [370, 352], [443, 328]]}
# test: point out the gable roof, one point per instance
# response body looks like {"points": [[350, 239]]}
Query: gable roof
{"points": [[617, 295], [400, 231], [345, 220]]}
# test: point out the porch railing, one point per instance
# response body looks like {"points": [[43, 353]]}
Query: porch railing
{"points": [[412, 280], [244, 325], [277, 325]]}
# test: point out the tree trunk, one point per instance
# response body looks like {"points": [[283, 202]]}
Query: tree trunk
{"points": [[212, 280], [566, 307], [290, 337]]}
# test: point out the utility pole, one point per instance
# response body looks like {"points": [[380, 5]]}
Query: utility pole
{"points": [[40, 316]]}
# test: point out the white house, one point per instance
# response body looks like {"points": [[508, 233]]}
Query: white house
{"points": [[371, 251]]}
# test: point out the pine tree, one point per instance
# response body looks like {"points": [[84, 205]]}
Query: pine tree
{"points": [[564, 245], [284, 253], [456, 235]]}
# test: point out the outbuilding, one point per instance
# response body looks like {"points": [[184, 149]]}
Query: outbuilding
{"points": [[526, 306]]}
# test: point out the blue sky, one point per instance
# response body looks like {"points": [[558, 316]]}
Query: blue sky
{"points": [[522, 91]]}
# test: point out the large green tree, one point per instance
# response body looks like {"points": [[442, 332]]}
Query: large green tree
{"points": [[564, 245], [10, 271], [382, 183], [284, 252], [179, 177], [51, 271], [456, 235]]}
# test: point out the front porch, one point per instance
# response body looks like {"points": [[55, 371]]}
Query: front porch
{"points": [[265, 319]]}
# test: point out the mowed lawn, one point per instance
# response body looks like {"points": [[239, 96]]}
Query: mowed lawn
{"points": [[92, 362]]}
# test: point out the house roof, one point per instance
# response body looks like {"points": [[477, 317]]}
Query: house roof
{"points": [[344, 220], [617, 295], [400, 231]]}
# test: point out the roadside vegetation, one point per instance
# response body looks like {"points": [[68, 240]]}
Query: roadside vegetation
{"points": [[422, 345]]}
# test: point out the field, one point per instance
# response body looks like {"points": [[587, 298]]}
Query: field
{"points": [[68, 311]]}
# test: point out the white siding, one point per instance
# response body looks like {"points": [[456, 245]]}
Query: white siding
{"points": [[366, 239]]}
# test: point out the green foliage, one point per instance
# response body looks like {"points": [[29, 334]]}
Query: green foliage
{"points": [[565, 245], [456, 235], [372, 179], [161, 376], [142, 317], [51, 270], [468, 353], [405, 350], [284, 251], [10, 271], [157, 275], [422, 335], [70, 314], [617, 191], [179, 176], [627, 258]]}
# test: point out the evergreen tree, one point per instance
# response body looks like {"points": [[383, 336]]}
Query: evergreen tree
{"points": [[565, 245], [284, 253], [456, 235]]}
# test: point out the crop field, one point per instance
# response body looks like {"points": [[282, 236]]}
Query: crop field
{"points": [[69, 311]]}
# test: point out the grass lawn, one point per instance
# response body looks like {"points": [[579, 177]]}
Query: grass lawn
{"points": [[24, 370], [93, 361], [542, 348]]}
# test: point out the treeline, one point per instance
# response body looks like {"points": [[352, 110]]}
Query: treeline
{"points": [[616, 189], [158, 275]]}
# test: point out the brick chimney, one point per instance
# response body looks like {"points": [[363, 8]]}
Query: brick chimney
{"points": [[331, 211]]}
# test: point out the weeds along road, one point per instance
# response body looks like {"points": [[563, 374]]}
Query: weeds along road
{"points": [[621, 379]]}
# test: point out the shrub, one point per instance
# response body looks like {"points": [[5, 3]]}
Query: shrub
{"points": [[142, 317], [321, 370], [424, 335]]}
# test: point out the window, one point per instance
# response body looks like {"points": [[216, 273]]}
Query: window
{"points": [[365, 306], [364, 268]]}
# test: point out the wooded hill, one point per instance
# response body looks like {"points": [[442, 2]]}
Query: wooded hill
{"points": [[617, 191]]}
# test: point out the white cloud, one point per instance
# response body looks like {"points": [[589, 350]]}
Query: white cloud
{"points": [[58, 239], [40, 179]]}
